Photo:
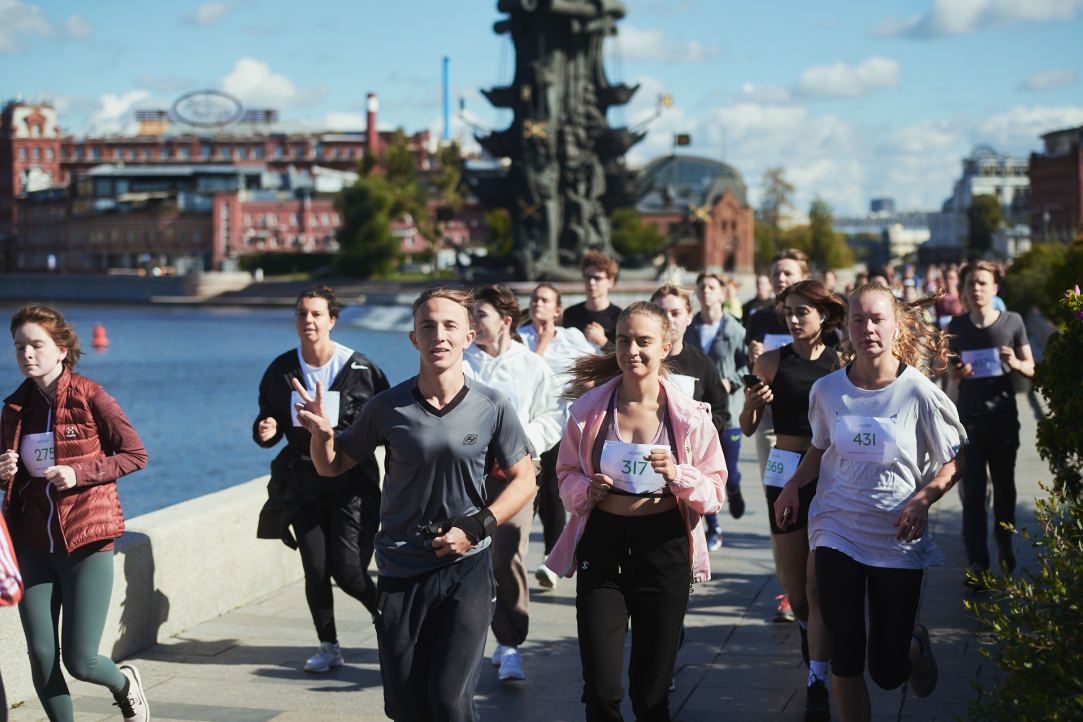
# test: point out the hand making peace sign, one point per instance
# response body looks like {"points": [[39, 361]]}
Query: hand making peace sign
{"points": [[310, 413]]}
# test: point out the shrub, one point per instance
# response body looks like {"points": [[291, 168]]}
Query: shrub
{"points": [[282, 264], [1032, 627]]}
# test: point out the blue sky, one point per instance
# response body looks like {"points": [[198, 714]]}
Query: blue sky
{"points": [[854, 99]]}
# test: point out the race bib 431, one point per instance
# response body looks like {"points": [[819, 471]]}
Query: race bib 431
{"points": [[866, 438]]}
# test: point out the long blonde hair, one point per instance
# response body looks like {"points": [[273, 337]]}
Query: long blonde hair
{"points": [[920, 343], [591, 371]]}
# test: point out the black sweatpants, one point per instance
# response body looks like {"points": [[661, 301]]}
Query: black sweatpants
{"points": [[547, 504], [993, 443], [335, 537], [893, 596], [431, 634], [636, 567]]}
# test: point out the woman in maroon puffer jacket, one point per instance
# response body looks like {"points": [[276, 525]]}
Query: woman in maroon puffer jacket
{"points": [[65, 441]]}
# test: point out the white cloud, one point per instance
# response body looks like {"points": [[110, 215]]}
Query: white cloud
{"points": [[77, 26], [253, 82], [18, 23], [955, 17], [765, 93], [632, 43], [1019, 129], [209, 13], [115, 106], [1049, 78], [842, 80]]}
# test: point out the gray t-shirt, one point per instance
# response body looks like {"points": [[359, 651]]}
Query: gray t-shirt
{"points": [[989, 394], [435, 464]]}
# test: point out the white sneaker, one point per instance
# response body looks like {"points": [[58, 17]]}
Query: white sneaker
{"points": [[546, 577], [330, 655], [511, 665], [133, 706]]}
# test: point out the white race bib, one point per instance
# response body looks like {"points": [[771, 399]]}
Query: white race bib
{"points": [[776, 340], [984, 361], [36, 452], [330, 405], [687, 384], [625, 465], [780, 467], [866, 438]]}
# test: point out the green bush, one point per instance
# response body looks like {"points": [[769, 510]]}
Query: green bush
{"points": [[1039, 277], [1032, 627]]}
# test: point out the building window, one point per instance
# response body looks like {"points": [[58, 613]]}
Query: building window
{"points": [[205, 152], [270, 219], [131, 154], [298, 151], [242, 153], [247, 220], [22, 153], [182, 236], [48, 154], [95, 153], [223, 151], [324, 219], [278, 152], [196, 237], [36, 153], [146, 154], [293, 219], [163, 153], [257, 152], [116, 154], [185, 153]]}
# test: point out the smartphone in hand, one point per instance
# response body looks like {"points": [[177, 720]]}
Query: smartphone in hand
{"points": [[751, 380]]}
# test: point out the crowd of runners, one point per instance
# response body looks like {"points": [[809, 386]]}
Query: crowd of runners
{"points": [[619, 428]]}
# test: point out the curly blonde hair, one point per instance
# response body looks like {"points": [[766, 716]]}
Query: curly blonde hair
{"points": [[920, 344]]}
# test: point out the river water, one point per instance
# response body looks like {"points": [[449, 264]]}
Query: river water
{"points": [[188, 379]]}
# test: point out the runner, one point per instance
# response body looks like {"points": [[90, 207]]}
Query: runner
{"points": [[785, 377], [436, 592], [498, 360], [763, 332], [596, 317], [66, 443], [333, 521], [986, 344], [559, 347], [11, 591], [885, 445], [720, 335], [639, 463]]}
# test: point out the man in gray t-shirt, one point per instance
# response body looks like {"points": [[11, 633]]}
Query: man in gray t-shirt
{"points": [[987, 345], [435, 593]]}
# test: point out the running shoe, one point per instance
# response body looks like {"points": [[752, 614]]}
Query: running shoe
{"points": [[817, 707], [546, 577], [737, 504], [498, 654], [925, 673], [133, 705], [511, 665], [783, 614], [330, 655], [714, 539]]}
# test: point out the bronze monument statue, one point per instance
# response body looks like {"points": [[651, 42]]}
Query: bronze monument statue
{"points": [[567, 171]]}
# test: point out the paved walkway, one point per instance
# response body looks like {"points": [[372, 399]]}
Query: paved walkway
{"points": [[735, 664]]}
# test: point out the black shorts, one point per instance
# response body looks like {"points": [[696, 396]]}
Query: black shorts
{"points": [[805, 494]]}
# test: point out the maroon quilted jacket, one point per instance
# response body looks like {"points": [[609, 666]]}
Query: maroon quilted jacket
{"points": [[93, 436]]}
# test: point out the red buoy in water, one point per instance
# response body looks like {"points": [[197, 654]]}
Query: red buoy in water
{"points": [[99, 340]]}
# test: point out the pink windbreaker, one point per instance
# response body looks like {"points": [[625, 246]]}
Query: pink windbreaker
{"points": [[701, 472]]}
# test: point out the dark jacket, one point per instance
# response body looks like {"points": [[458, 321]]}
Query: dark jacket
{"points": [[294, 482], [92, 435]]}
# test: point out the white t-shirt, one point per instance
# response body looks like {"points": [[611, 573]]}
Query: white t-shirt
{"points": [[325, 375], [913, 427]]}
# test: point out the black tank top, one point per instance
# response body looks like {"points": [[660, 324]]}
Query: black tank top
{"points": [[793, 380]]}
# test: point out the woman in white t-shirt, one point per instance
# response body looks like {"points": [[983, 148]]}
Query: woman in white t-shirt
{"points": [[884, 445]]}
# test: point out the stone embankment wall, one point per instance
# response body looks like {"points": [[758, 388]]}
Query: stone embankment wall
{"points": [[172, 569]]}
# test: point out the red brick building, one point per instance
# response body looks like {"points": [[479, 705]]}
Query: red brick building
{"points": [[1056, 186], [701, 206]]}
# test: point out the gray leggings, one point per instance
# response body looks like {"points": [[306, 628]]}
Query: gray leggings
{"points": [[80, 583]]}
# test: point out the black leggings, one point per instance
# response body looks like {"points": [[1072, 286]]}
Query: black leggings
{"points": [[638, 567], [547, 504], [893, 606], [993, 443], [335, 538]]}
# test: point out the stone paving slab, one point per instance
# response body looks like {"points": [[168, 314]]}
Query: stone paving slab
{"points": [[735, 664]]}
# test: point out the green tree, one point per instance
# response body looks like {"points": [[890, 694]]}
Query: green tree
{"points": [[631, 236], [498, 238], [826, 248], [985, 216], [366, 245], [777, 195]]}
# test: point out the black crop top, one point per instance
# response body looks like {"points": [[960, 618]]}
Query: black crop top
{"points": [[793, 381]]}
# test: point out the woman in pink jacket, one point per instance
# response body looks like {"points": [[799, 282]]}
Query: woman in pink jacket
{"points": [[639, 463]]}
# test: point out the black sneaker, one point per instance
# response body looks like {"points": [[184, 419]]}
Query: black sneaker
{"points": [[924, 675], [817, 707], [737, 504]]}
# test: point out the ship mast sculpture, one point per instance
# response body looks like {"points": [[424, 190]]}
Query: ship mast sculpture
{"points": [[566, 169]]}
